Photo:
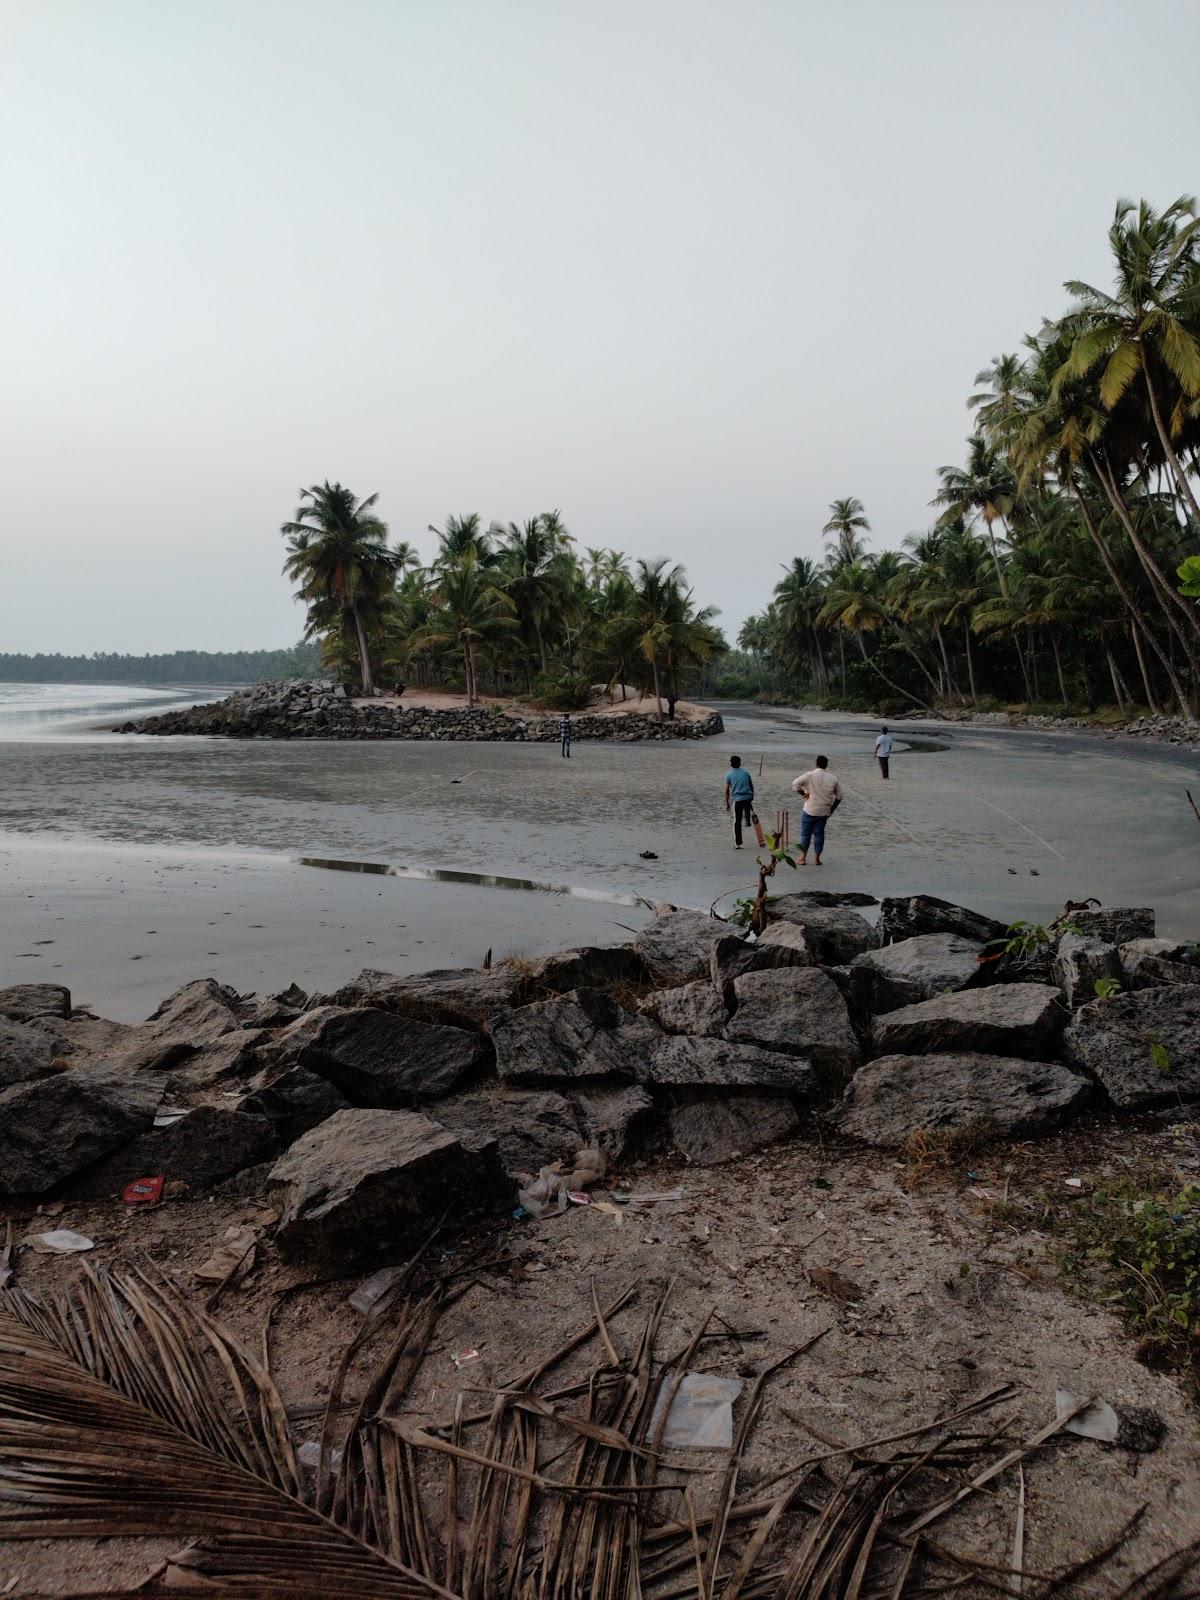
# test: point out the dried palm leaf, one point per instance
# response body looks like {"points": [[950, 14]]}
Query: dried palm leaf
{"points": [[112, 1422]]}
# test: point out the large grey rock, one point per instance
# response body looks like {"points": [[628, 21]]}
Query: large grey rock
{"points": [[828, 897], [917, 969], [25, 1053], [359, 1187], [709, 1130], [575, 1036], [732, 957], [119, 1046], [210, 1143], [1147, 963], [197, 1014], [55, 1126], [457, 997], [22, 1002], [535, 1126], [293, 1101], [530, 1126], [231, 1056], [1009, 1019], [908, 916], [896, 1096], [286, 1048], [799, 1010], [676, 945], [378, 1059], [831, 934], [695, 1008], [585, 967], [724, 1064], [1144, 1048], [614, 1119], [1115, 924], [1080, 962]]}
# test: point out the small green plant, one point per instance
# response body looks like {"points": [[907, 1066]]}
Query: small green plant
{"points": [[1189, 571], [1138, 1239], [1107, 987], [1024, 941], [743, 911], [1159, 1054]]}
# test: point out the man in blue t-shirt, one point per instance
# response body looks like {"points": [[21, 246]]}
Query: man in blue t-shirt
{"points": [[739, 797]]}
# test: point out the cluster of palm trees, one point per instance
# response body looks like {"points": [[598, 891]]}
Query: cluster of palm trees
{"points": [[1053, 571], [511, 609]]}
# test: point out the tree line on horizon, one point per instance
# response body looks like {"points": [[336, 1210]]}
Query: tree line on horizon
{"points": [[509, 609], [1063, 563], [176, 666]]}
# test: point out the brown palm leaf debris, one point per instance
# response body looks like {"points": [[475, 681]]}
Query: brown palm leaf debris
{"points": [[126, 1410]]}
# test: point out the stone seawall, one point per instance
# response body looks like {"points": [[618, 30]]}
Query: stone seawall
{"points": [[315, 711]]}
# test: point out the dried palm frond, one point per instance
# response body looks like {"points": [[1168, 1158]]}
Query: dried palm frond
{"points": [[112, 1421], [124, 1409]]}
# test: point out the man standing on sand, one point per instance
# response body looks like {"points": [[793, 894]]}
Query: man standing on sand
{"points": [[822, 796], [739, 797], [883, 751], [564, 732]]}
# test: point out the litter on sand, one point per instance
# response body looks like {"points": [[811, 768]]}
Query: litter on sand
{"points": [[143, 1191], [58, 1242], [465, 1357], [701, 1413], [1099, 1421], [372, 1289], [233, 1258], [164, 1119], [1073, 1183], [554, 1187], [309, 1455]]}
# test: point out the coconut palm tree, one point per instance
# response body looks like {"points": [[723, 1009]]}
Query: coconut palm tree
{"points": [[847, 523], [798, 600], [462, 535], [1146, 331], [471, 610], [655, 586], [338, 555]]}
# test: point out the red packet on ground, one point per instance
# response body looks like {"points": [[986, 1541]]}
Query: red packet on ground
{"points": [[143, 1192]]}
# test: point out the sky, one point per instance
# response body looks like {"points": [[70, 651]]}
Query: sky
{"points": [[683, 270]]}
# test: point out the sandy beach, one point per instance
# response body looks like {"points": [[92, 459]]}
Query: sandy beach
{"points": [[149, 862]]}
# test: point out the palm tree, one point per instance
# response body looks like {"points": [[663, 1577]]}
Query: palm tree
{"points": [[798, 600], [535, 574], [847, 523], [471, 610], [339, 556], [655, 584], [1001, 398], [463, 535], [1147, 328]]}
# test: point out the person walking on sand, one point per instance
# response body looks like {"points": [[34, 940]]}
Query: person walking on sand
{"points": [[883, 751], [564, 733], [822, 796], [739, 797]]}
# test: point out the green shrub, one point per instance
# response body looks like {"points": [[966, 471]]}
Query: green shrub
{"points": [[569, 692], [1141, 1241]]}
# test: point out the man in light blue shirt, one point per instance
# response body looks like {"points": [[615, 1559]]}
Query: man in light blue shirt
{"points": [[883, 751], [739, 797]]}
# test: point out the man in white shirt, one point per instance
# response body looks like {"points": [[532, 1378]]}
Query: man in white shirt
{"points": [[822, 796], [883, 751]]}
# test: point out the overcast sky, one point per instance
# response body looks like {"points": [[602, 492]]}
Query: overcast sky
{"points": [[685, 270]]}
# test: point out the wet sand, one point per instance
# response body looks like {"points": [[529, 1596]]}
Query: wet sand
{"points": [[108, 838]]}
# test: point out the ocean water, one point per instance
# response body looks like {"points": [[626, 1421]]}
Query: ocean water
{"points": [[57, 710]]}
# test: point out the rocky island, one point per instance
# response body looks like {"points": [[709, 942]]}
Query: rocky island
{"points": [[315, 710]]}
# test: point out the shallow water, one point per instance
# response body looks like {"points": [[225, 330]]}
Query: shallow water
{"points": [[1013, 824]]}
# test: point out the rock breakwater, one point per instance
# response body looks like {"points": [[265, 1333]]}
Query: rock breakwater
{"points": [[453, 1087], [319, 711]]}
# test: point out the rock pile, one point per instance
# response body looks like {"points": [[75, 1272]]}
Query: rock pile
{"points": [[319, 711], [368, 1112]]}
